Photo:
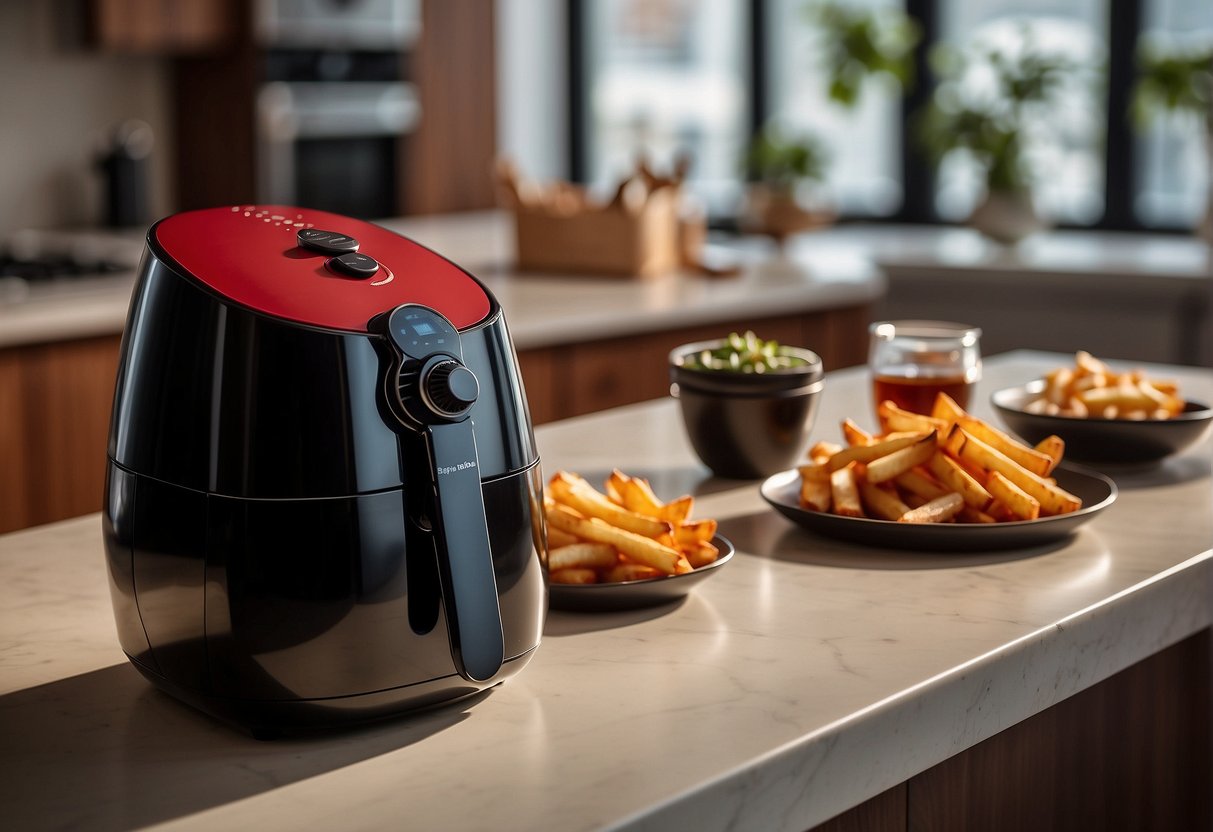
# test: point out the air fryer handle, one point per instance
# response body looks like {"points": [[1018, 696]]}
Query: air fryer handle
{"points": [[465, 562]]}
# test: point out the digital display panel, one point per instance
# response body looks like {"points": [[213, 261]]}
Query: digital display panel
{"points": [[424, 328]]}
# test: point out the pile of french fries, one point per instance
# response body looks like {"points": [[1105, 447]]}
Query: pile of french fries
{"points": [[1090, 390], [945, 467], [627, 534]]}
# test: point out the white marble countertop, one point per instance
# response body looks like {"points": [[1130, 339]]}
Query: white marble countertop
{"points": [[1128, 261], [542, 310], [804, 677]]}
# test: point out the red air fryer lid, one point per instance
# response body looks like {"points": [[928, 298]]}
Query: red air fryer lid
{"points": [[252, 254]]}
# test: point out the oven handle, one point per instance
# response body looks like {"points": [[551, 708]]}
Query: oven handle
{"points": [[287, 112]]}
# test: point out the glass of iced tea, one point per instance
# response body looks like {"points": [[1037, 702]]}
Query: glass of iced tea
{"points": [[911, 361]]}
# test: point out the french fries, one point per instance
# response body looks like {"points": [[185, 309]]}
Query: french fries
{"points": [[981, 456], [626, 534], [893, 418], [576, 493], [1091, 390], [582, 555], [950, 467], [938, 510], [899, 462]]}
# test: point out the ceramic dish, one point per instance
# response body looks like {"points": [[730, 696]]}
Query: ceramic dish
{"points": [[1096, 491], [630, 595], [1104, 441], [747, 425]]}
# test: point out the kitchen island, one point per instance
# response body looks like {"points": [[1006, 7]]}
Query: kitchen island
{"points": [[805, 678]]}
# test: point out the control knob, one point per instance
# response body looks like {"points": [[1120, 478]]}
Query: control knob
{"points": [[450, 388]]}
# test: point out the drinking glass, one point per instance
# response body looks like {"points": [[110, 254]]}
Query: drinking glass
{"points": [[911, 361]]}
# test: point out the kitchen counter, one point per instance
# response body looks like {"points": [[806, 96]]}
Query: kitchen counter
{"points": [[802, 679], [1145, 297], [543, 310]]}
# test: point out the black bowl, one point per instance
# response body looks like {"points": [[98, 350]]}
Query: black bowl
{"points": [[1104, 441], [747, 425]]}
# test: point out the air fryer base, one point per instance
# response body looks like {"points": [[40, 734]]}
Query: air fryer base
{"points": [[269, 719]]}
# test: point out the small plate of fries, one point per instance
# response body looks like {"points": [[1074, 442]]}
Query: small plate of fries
{"points": [[946, 482], [625, 548], [1105, 416]]}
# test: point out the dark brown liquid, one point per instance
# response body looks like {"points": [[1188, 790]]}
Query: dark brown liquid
{"points": [[918, 394]]}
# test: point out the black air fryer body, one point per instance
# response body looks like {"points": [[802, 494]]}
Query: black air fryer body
{"points": [[324, 498]]}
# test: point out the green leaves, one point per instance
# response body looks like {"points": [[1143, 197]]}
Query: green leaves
{"points": [[1175, 81], [782, 162], [744, 354], [858, 43], [988, 119]]}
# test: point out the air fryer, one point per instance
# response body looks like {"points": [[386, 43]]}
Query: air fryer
{"points": [[324, 501]]}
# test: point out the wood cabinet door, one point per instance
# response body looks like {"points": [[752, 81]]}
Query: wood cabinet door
{"points": [[55, 403], [601, 374], [163, 27]]}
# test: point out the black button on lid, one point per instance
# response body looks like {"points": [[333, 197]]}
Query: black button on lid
{"points": [[326, 242], [354, 265]]}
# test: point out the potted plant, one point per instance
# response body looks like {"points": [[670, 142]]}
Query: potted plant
{"points": [[1179, 82], [982, 107], [777, 167], [856, 44]]}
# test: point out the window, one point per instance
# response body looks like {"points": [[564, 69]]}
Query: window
{"points": [[1065, 156], [656, 76], [663, 77], [863, 143], [1172, 165]]}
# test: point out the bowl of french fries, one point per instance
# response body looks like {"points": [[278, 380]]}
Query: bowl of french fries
{"points": [[1105, 416], [946, 481], [624, 547], [748, 405]]}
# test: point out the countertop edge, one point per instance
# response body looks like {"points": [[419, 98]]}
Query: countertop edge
{"points": [[963, 707], [1123, 280], [770, 303]]}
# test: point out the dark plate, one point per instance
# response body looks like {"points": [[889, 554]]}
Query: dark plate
{"points": [[1104, 441], [631, 595], [1096, 491]]}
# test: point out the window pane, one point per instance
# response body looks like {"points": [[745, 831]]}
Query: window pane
{"points": [[1065, 145], [1173, 170], [668, 77], [864, 146]]}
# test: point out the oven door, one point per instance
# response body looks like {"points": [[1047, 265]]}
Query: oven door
{"points": [[333, 146]]}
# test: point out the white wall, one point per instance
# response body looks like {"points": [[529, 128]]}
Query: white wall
{"points": [[532, 86], [57, 99]]}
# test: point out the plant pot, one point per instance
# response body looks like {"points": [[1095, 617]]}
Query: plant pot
{"points": [[776, 213], [1006, 216], [747, 425]]}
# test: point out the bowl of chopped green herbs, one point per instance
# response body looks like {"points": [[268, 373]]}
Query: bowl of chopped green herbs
{"points": [[748, 404]]}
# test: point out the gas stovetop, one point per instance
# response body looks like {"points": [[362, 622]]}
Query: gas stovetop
{"points": [[48, 268], [35, 264]]}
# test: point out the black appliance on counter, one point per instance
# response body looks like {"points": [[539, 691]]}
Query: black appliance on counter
{"points": [[324, 500]]}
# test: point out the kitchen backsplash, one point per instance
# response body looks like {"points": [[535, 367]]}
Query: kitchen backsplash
{"points": [[58, 100]]}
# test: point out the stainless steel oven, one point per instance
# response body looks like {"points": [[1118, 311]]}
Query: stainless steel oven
{"points": [[335, 106], [387, 25]]}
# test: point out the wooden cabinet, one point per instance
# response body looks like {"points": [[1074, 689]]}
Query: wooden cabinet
{"points": [[162, 27], [1133, 752], [55, 402]]}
